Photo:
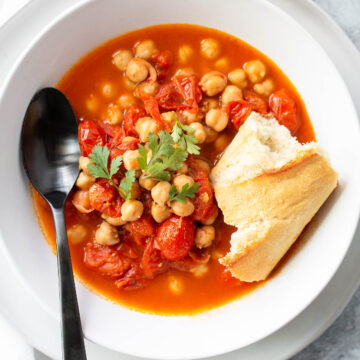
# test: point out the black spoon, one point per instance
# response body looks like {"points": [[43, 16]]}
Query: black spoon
{"points": [[50, 153]]}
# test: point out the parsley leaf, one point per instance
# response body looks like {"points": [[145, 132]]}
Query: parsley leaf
{"points": [[186, 191], [142, 160], [126, 184], [186, 141]]}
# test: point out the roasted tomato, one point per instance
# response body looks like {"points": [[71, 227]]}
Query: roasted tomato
{"points": [[175, 237], [284, 108], [256, 102], [106, 260], [152, 107], [141, 229], [90, 135], [105, 198], [122, 147], [162, 62], [238, 112], [132, 115], [133, 279], [152, 261]]}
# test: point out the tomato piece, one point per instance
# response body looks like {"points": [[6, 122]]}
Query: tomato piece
{"points": [[105, 198], [132, 280], [284, 108], [152, 107], [162, 62], [106, 260], [90, 134], [122, 147], [256, 102], [175, 237], [152, 261], [141, 229], [190, 90], [132, 115], [238, 112], [184, 264]]}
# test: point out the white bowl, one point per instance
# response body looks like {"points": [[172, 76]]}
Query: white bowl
{"points": [[241, 322]]}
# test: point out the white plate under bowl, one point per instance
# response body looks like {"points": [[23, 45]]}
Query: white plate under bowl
{"points": [[253, 317]]}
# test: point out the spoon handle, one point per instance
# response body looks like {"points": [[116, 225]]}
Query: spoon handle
{"points": [[72, 335]]}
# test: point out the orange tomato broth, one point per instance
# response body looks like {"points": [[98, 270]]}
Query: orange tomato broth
{"points": [[86, 79]]}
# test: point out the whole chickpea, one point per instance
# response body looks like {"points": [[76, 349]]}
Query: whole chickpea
{"points": [[130, 159], [200, 270], [183, 170], [221, 142], [145, 126], [222, 64], [135, 190], [84, 161], [92, 103], [230, 93], [126, 100], [114, 114], [182, 209], [121, 58], [146, 88], [189, 117], [185, 72], [115, 221], [211, 134], [137, 70], [147, 184], [84, 181], [210, 48], [145, 49], [238, 77], [185, 52], [159, 212], [160, 192], [204, 236], [265, 88], [203, 165], [169, 117], [76, 233], [180, 180], [211, 219], [255, 70], [213, 83], [108, 90], [199, 133], [131, 210], [81, 202], [128, 139], [129, 84], [107, 234], [209, 103], [217, 119]]}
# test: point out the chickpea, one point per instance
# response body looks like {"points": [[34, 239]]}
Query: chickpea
{"points": [[135, 190], [108, 90], [265, 88], [185, 72], [211, 219], [114, 114], [182, 209], [84, 161], [131, 210], [121, 59], [128, 139], [200, 270], [199, 133], [210, 48], [204, 236], [217, 119], [160, 212], [185, 53], [107, 234], [126, 100], [189, 117], [76, 233], [210, 104], [145, 49], [137, 70], [144, 126], [180, 181], [213, 83], [84, 181], [115, 221], [221, 142], [146, 88], [230, 93], [211, 134], [175, 285], [169, 117], [256, 70], [222, 64], [129, 84], [238, 78], [183, 170], [81, 202], [203, 165], [130, 159], [92, 103], [147, 184], [160, 192]]}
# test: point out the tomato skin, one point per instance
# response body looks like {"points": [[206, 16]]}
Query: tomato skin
{"points": [[256, 102], [105, 198], [122, 147], [284, 108], [141, 229], [152, 262], [175, 237], [106, 260], [162, 62], [132, 115], [90, 134], [238, 112]]}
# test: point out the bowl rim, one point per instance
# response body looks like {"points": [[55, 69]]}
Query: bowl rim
{"points": [[77, 7]]}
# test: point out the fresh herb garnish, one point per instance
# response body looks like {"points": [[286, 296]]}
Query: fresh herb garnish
{"points": [[186, 191], [186, 141], [99, 169]]}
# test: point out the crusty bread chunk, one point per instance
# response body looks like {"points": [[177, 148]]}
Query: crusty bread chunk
{"points": [[269, 186]]}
